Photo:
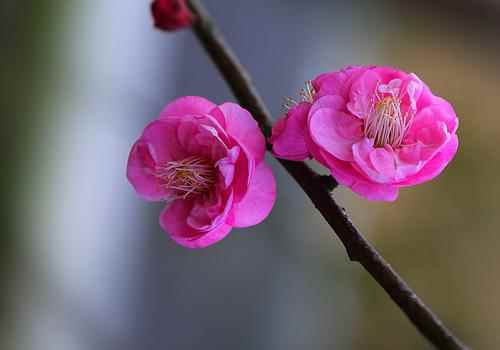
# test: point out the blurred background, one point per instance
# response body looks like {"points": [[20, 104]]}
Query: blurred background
{"points": [[83, 261]]}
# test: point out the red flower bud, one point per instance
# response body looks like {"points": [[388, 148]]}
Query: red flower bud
{"points": [[171, 15]]}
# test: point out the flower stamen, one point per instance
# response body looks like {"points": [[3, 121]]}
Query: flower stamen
{"points": [[191, 176], [306, 94], [386, 123], [289, 103]]}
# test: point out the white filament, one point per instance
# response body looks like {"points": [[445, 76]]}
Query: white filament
{"points": [[192, 175], [385, 123]]}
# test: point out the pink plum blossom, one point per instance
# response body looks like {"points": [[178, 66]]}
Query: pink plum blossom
{"points": [[375, 128], [207, 163]]}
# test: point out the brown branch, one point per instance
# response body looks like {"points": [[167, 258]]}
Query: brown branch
{"points": [[318, 190]]}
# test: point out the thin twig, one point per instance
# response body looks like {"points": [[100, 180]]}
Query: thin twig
{"points": [[318, 190]]}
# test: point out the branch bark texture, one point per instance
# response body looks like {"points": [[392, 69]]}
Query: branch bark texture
{"points": [[318, 189]]}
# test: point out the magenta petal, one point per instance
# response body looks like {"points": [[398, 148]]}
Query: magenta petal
{"points": [[347, 176], [207, 215], [202, 135], [173, 219], [435, 135], [341, 171], [315, 151], [337, 83], [430, 117], [412, 88], [259, 200], [335, 102], [243, 172], [205, 240], [140, 173], [187, 105], [434, 166], [426, 98], [388, 73], [226, 166], [335, 132], [288, 134], [410, 154], [384, 162], [161, 135], [376, 192], [240, 125], [445, 113], [364, 157], [361, 93], [186, 131]]}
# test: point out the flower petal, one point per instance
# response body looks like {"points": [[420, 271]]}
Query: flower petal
{"points": [[434, 166], [173, 220], [384, 162], [161, 136], [361, 93], [240, 125], [207, 214], [335, 102], [226, 166], [140, 173], [243, 171], [187, 105], [378, 164], [206, 239], [288, 134], [157, 145], [376, 192], [335, 132], [202, 136], [337, 83], [388, 73], [341, 171], [348, 176], [430, 117], [258, 201]]}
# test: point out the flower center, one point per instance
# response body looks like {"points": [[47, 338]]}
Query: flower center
{"points": [[386, 123], [191, 176]]}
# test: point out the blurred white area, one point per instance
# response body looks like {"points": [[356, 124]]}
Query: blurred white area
{"points": [[86, 222]]}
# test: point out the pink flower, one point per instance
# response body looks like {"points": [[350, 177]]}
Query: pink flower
{"points": [[207, 162], [171, 15], [375, 128]]}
